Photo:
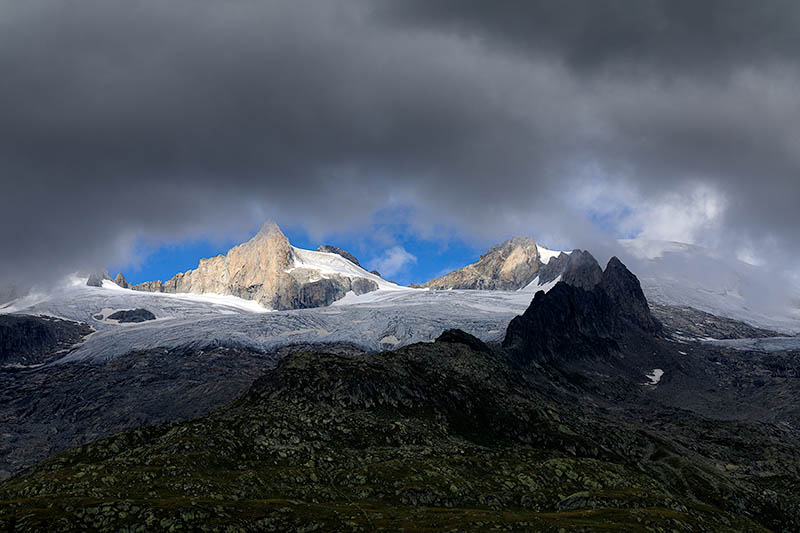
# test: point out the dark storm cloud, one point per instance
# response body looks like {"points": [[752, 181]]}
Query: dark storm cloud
{"points": [[672, 36], [163, 120]]}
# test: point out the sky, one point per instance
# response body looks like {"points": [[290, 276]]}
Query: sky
{"points": [[142, 135]]}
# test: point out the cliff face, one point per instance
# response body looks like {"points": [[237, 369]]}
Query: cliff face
{"points": [[507, 266], [263, 269], [585, 317]]}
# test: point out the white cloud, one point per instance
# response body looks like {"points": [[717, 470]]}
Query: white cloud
{"points": [[393, 260], [691, 216]]}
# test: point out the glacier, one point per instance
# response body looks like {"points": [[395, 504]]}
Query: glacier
{"points": [[374, 321]]}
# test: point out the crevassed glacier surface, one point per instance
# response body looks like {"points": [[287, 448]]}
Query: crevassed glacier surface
{"points": [[374, 321]]}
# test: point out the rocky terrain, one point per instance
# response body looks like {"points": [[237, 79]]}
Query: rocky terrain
{"points": [[131, 316], [689, 323], [268, 270], [507, 266], [566, 426], [58, 407], [34, 340]]}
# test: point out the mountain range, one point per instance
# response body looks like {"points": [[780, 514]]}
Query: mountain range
{"points": [[587, 415], [280, 388], [271, 272]]}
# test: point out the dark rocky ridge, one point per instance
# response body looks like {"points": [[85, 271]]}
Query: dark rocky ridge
{"points": [[344, 253], [95, 279], [577, 268], [462, 337], [588, 319], [31, 340]]}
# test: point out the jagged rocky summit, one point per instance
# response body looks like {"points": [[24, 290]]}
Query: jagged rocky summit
{"points": [[586, 315], [272, 272], [95, 279], [510, 265], [121, 281]]}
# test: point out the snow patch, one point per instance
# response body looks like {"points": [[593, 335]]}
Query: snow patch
{"points": [[535, 287], [390, 339], [108, 284], [546, 255], [654, 377]]}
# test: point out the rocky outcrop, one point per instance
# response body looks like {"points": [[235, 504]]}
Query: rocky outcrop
{"points": [[132, 316], [327, 248], [264, 269], [121, 281], [507, 266], [577, 268], [458, 336], [30, 340], [95, 279], [583, 321]]}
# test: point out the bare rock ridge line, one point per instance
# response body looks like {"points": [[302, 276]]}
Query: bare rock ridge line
{"points": [[589, 314], [510, 265], [327, 248], [268, 270]]}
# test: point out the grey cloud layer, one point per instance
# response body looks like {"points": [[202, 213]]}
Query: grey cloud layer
{"points": [[169, 119]]}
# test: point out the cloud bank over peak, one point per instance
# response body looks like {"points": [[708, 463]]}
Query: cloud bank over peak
{"points": [[165, 121]]}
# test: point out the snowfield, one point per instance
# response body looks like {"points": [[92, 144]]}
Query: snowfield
{"points": [[330, 263]]}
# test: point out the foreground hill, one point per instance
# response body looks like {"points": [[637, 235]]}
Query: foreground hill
{"points": [[568, 426]]}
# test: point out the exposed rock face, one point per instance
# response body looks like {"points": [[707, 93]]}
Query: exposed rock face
{"points": [[334, 250], [132, 315], [121, 281], [28, 340], [507, 266], [571, 322], [96, 278], [263, 269], [577, 268]]}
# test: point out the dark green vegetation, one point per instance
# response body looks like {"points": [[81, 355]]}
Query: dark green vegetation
{"points": [[452, 435]]}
